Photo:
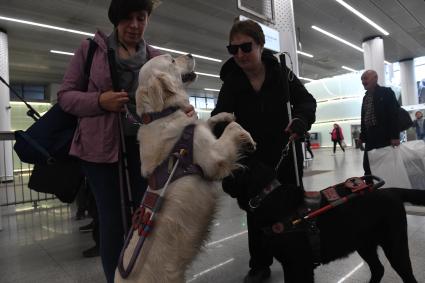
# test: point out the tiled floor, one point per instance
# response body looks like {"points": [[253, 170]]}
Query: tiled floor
{"points": [[44, 245]]}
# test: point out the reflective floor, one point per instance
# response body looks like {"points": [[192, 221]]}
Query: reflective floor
{"points": [[44, 245]]}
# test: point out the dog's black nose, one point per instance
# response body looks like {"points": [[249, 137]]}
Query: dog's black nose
{"points": [[189, 55]]}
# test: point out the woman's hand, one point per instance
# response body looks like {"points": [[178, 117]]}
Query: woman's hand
{"points": [[113, 101]]}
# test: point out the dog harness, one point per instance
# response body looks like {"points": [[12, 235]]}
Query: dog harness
{"points": [[317, 203], [178, 164]]}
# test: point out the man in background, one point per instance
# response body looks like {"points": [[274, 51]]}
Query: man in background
{"points": [[378, 117], [419, 125]]}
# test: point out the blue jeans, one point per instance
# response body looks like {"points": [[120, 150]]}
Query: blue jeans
{"points": [[104, 183]]}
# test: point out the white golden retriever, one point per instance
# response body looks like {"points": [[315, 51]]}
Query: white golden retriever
{"points": [[181, 226]]}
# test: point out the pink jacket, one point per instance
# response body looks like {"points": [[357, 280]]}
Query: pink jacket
{"points": [[334, 135], [96, 138]]}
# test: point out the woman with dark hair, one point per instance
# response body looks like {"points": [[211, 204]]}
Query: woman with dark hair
{"points": [[98, 102], [253, 90], [337, 137]]}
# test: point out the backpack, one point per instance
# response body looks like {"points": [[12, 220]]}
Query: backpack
{"points": [[46, 144], [404, 121], [50, 137]]}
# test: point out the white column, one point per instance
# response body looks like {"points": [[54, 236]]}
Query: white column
{"points": [[374, 57], [285, 24], [409, 89], [6, 164]]}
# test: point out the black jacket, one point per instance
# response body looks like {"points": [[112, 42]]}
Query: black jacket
{"points": [[385, 109], [264, 114]]}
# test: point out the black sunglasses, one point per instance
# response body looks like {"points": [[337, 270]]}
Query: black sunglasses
{"points": [[245, 47]]}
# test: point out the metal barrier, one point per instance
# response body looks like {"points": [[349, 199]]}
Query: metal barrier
{"points": [[14, 176]]}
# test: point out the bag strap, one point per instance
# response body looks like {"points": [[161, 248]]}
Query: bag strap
{"points": [[89, 59], [34, 144]]}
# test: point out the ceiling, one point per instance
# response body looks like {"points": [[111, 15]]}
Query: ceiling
{"points": [[201, 27]]}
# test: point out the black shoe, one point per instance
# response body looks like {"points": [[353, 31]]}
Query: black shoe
{"points": [[92, 252], [257, 275], [87, 228]]}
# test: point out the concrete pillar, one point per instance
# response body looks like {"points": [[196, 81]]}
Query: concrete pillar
{"points": [[409, 89], [285, 24], [52, 92], [6, 164], [374, 57]]}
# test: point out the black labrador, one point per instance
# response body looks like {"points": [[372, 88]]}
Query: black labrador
{"points": [[377, 218]]}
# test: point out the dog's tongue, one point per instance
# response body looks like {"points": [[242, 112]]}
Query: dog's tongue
{"points": [[188, 77]]}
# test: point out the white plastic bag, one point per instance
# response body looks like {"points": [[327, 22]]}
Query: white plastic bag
{"points": [[413, 155], [387, 163]]}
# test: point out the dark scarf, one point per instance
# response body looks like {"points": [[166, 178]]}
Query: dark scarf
{"points": [[128, 73]]}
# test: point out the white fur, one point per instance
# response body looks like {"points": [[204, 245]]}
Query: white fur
{"points": [[181, 226]]}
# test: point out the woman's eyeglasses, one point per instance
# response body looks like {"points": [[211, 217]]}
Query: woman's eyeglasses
{"points": [[245, 47]]}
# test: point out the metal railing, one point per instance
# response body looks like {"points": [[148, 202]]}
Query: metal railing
{"points": [[14, 176]]}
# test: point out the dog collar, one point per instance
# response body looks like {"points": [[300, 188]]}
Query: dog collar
{"points": [[152, 116]]}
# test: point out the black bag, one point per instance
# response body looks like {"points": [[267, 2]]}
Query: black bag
{"points": [[62, 179], [404, 121], [46, 145], [50, 137]]}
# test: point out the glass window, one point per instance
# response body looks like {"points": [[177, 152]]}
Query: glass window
{"points": [[192, 101], [210, 103], [201, 102], [28, 92]]}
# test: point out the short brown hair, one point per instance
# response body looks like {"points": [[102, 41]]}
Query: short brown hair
{"points": [[248, 28], [120, 9]]}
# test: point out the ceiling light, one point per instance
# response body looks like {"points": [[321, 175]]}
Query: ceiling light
{"points": [[212, 89], [348, 69], [305, 54], [62, 52], [208, 75], [306, 79], [386, 62], [363, 17], [337, 38], [182, 52], [92, 34], [45, 26]]}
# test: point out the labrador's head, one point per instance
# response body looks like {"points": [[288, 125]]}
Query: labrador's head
{"points": [[161, 83]]}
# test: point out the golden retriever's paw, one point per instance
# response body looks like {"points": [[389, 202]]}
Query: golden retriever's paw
{"points": [[221, 117], [248, 144]]}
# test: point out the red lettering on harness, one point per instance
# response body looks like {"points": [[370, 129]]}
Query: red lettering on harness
{"points": [[331, 194]]}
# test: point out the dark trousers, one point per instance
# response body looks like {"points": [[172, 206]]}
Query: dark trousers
{"points": [[259, 250], [308, 148], [104, 183], [339, 142]]}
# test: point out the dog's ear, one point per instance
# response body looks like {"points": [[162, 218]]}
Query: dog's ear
{"points": [[141, 92], [168, 82], [155, 93]]}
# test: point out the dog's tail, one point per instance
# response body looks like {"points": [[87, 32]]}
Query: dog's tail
{"points": [[415, 197]]}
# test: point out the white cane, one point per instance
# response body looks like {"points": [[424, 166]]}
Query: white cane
{"points": [[288, 105]]}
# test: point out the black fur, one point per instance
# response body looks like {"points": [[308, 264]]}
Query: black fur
{"points": [[375, 219]]}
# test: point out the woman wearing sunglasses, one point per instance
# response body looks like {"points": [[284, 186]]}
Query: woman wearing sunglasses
{"points": [[252, 89]]}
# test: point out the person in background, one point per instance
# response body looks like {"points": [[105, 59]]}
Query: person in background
{"points": [[419, 125], [378, 117], [97, 137], [337, 137], [308, 144], [253, 90]]}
